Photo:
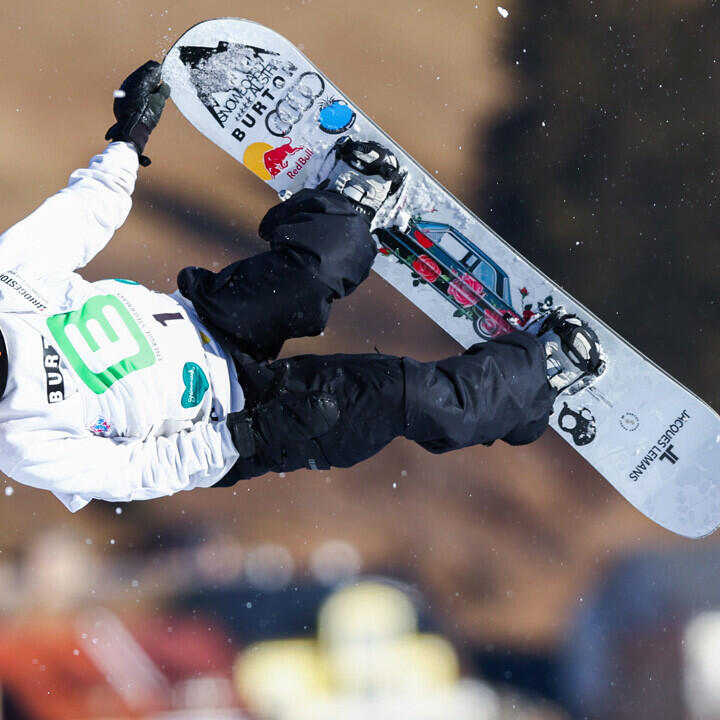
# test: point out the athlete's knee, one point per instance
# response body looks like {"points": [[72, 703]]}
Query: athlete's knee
{"points": [[324, 228], [441, 406]]}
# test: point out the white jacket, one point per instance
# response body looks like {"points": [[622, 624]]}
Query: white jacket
{"points": [[114, 391]]}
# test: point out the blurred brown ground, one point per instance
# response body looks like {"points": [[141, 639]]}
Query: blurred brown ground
{"points": [[504, 540]]}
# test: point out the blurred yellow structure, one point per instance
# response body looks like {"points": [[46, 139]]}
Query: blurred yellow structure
{"points": [[368, 633], [368, 660], [701, 649], [278, 675]]}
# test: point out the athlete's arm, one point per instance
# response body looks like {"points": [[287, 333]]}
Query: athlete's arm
{"points": [[79, 469], [69, 228]]}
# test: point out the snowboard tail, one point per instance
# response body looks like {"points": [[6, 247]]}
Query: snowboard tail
{"points": [[256, 96]]}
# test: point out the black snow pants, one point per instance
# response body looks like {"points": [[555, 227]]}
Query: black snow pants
{"points": [[321, 250]]}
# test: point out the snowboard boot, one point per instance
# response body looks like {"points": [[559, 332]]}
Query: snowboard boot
{"points": [[574, 356], [365, 172]]}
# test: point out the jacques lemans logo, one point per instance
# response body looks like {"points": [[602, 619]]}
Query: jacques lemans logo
{"points": [[663, 449]]}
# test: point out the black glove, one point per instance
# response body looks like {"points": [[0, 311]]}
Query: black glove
{"points": [[138, 111], [273, 433]]}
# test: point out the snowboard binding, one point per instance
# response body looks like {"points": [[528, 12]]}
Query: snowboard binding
{"points": [[365, 172], [574, 355]]}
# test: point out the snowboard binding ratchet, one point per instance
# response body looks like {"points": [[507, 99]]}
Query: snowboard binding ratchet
{"points": [[365, 172]]}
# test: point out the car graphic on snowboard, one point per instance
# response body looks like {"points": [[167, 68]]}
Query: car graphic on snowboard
{"points": [[439, 255]]}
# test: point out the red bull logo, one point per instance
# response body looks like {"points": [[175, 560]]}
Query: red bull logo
{"points": [[275, 160], [267, 162]]}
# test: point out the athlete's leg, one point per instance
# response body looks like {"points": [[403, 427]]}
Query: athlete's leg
{"points": [[320, 250], [497, 390]]}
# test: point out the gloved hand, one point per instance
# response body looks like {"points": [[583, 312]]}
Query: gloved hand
{"points": [[274, 433], [138, 111]]}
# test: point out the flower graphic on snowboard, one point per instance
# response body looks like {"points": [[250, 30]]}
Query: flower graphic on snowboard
{"points": [[466, 290], [426, 268]]}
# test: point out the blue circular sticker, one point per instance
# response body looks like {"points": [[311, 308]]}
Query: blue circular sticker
{"points": [[336, 117]]}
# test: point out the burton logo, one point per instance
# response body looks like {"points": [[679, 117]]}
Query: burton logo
{"points": [[580, 425], [54, 380]]}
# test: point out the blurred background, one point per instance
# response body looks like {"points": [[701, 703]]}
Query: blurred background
{"points": [[489, 584]]}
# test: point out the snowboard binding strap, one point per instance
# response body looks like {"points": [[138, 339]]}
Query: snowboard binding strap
{"points": [[371, 158], [574, 355]]}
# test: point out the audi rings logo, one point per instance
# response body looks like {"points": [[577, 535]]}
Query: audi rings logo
{"points": [[299, 99]]}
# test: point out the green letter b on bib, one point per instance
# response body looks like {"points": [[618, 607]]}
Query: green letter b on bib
{"points": [[101, 341]]}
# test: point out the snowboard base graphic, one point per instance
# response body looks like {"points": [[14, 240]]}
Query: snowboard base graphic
{"points": [[252, 93]]}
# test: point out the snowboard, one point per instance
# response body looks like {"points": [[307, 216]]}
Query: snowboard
{"points": [[255, 95]]}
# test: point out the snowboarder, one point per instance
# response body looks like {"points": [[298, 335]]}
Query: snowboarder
{"points": [[111, 391]]}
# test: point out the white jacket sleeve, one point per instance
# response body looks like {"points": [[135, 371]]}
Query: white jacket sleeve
{"points": [[80, 469], [72, 226]]}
